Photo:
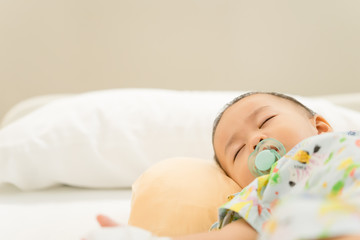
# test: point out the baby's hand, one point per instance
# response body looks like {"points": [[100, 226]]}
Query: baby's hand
{"points": [[105, 221], [112, 230]]}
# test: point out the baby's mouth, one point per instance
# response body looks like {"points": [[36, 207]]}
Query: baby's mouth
{"points": [[273, 148]]}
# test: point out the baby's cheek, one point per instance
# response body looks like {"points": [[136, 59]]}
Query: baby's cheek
{"points": [[245, 178]]}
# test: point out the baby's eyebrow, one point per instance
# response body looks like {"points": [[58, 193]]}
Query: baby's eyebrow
{"points": [[257, 111]]}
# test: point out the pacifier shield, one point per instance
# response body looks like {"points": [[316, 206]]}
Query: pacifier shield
{"points": [[266, 153]]}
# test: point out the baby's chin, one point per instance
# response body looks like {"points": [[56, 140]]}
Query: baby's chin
{"points": [[245, 182]]}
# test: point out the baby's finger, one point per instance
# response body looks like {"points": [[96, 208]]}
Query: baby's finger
{"points": [[105, 221]]}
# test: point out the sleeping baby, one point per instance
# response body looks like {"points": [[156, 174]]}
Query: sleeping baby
{"points": [[300, 180]]}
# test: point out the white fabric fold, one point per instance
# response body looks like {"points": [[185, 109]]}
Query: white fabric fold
{"points": [[122, 233]]}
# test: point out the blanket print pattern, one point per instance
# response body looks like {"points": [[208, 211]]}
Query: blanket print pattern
{"points": [[312, 192]]}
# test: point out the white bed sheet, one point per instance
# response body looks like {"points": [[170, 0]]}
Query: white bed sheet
{"points": [[58, 213]]}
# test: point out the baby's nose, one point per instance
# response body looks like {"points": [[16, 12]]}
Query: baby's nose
{"points": [[257, 143]]}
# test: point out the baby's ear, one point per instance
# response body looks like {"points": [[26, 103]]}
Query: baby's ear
{"points": [[322, 126]]}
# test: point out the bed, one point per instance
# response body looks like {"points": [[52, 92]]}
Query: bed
{"points": [[41, 198]]}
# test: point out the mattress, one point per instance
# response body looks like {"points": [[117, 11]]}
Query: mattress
{"points": [[58, 213]]}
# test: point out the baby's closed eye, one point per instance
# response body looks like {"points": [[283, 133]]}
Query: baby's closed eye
{"points": [[266, 121], [238, 151]]}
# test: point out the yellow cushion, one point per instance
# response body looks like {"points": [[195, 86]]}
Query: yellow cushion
{"points": [[179, 196]]}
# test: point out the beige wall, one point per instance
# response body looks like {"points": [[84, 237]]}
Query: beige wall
{"points": [[66, 46]]}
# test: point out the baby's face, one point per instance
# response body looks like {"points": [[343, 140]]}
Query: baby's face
{"points": [[252, 119]]}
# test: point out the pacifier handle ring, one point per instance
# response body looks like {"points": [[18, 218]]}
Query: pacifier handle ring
{"points": [[265, 159]]}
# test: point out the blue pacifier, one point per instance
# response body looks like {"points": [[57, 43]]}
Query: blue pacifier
{"points": [[266, 153]]}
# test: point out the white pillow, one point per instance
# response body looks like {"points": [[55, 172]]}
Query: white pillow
{"points": [[340, 118], [106, 139]]}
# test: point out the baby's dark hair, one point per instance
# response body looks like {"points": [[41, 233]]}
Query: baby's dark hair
{"points": [[310, 112]]}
